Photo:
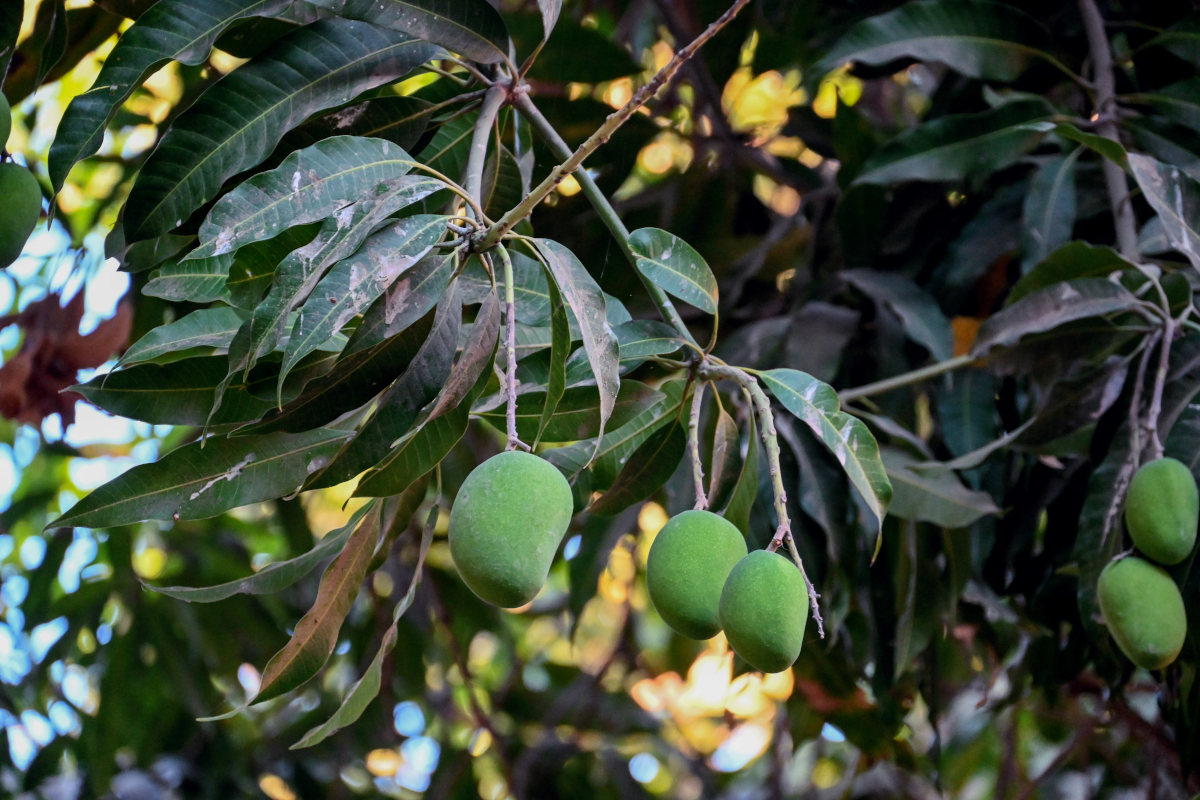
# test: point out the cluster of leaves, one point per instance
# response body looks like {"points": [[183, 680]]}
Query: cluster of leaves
{"points": [[953, 247]]}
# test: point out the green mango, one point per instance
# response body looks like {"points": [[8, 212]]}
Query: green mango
{"points": [[22, 202], [764, 609], [1144, 611], [686, 568], [507, 522], [1162, 510]]}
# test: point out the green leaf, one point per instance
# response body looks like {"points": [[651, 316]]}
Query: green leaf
{"points": [[10, 29], [236, 123], [274, 577], [408, 299], [446, 422], [576, 415], [642, 338], [354, 380], [560, 349], [674, 266], [1070, 261], [316, 633], [647, 468], [959, 146], [933, 495], [919, 313], [1049, 212], [199, 281], [1176, 198], [1046, 309], [366, 688], [726, 443], [310, 185], [584, 297], [575, 53], [202, 479], [171, 30], [741, 499], [993, 41], [550, 10], [469, 27], [355, 282], [816, 405], [530, 292], [401, 405], [204, 327], [400, 120], [178, 393]]}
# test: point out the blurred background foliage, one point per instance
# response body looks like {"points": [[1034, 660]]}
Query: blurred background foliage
{"points": [[958, 663]]}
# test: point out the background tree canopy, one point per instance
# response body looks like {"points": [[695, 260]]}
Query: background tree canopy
{"points": [[904, 289]]}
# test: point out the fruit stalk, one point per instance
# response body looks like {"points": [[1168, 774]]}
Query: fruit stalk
{"points": [[770, 438], [510, 350], [694, 447]]}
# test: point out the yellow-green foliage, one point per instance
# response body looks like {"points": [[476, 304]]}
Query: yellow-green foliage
{"points": [[1143, 610], [21, 201], [1162, 510], [686, 568], [507, 522], [764, 608]]}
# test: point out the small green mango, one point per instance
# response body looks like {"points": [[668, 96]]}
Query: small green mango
{"points": [[686, 568], [5, 120], [22, 203], [763, 609], [1144, 611], [1162, 510], [506, 524]]}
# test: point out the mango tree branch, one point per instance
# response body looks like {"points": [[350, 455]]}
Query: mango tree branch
{"points": [[766, 423], [493, 100], [1104, 108], [608, 214], [602, 134]]}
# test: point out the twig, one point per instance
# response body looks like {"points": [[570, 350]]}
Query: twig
{"points": [[766, 422], [1105, 107], [1156, 396], [510, 349], [694, 442], [605, 131], [898, 381], [493, 101]]}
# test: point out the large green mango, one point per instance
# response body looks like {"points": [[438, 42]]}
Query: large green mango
{"points": [[507, 522], [764, 609], [1144, 611], [686, 569], [20, 206], [1162, 510]]}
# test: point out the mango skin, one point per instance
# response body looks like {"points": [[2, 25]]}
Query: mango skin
{"points": [[22, 201], [507, 522], [764, 609], [686, 569], [1144, 611], [1162, 510]]}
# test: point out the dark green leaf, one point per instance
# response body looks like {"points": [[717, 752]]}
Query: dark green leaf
{"points": [[936, 496], [206, 327], [1176, 198], [199, 281], [470, 27], [923, 320], [584, 297], [203, 479], [993, 41], [274, 577], [236, 123], [560, 348], [576, 415], [172, 30], [408, 299], [1072, 260], [959, 146], [741, 499], [1049, 212], [647, 468], [1045, 309], [675, 266], [816, 405]]}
